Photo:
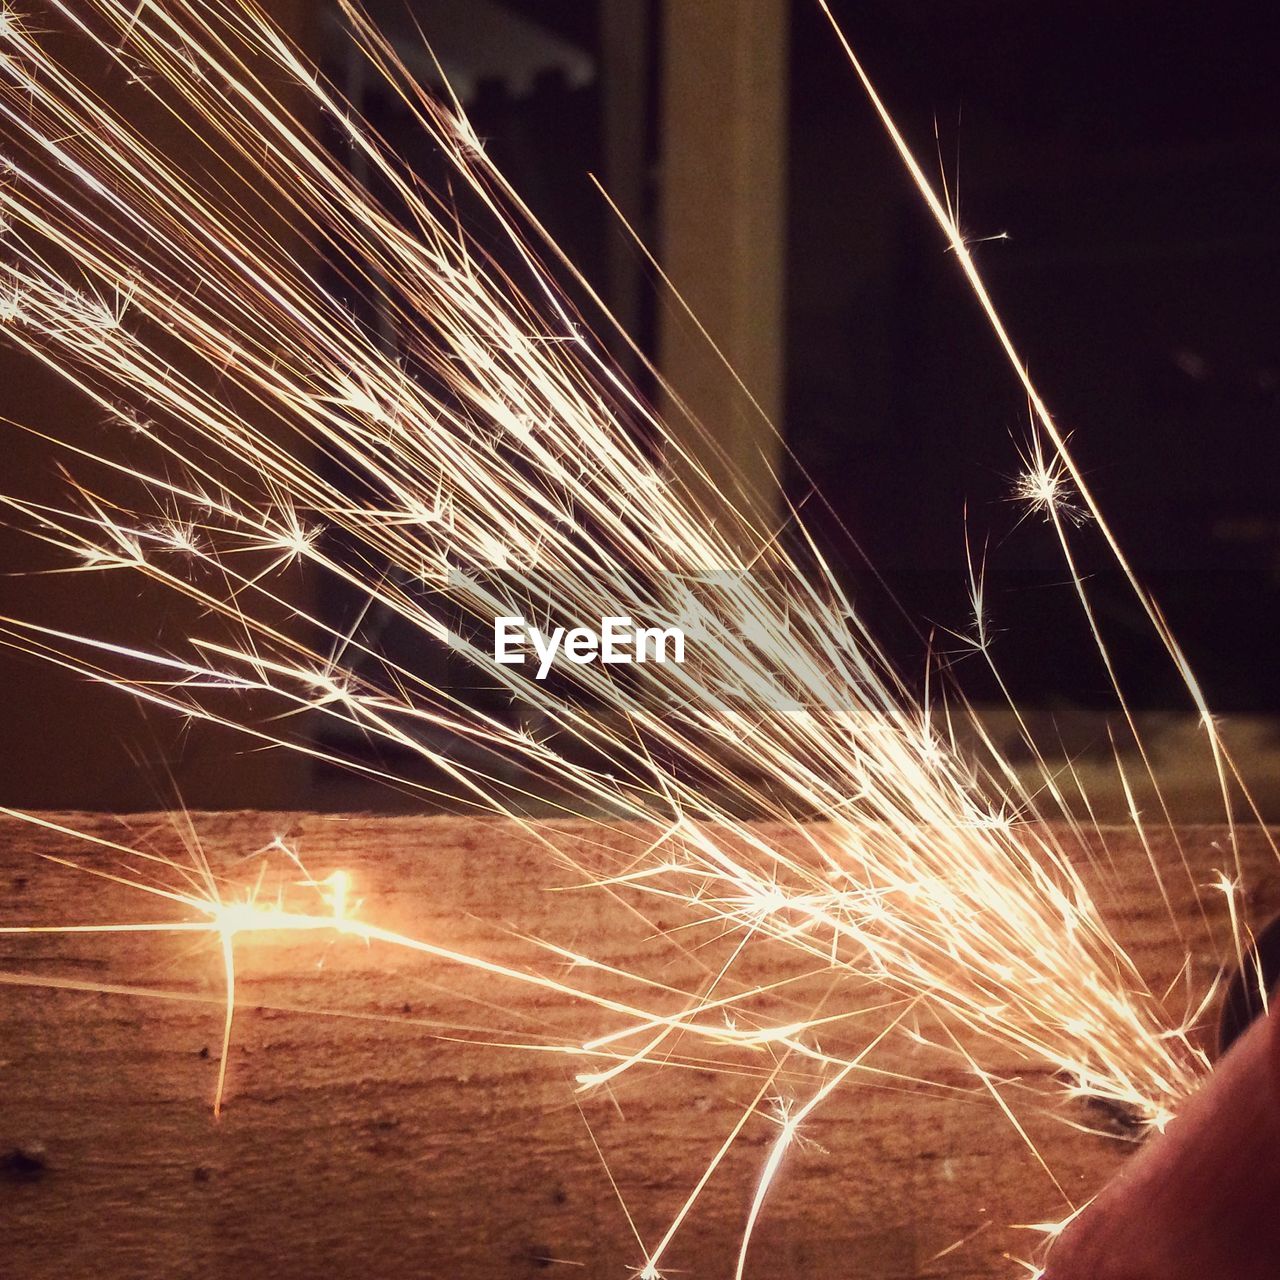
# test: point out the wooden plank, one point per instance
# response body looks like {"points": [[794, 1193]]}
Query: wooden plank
{"points": [[368, 1132]]}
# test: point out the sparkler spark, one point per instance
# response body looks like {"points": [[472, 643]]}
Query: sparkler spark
{"points": [[485, 460]]}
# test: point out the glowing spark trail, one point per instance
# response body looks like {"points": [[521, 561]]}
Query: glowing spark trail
{"points": [[475, 455]]}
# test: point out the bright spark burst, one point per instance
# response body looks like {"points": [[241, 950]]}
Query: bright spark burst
{"points": [[483, 429], [1046, 489]]}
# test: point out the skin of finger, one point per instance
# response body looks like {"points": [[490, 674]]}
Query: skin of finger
{"points": [[1201, 1200]]}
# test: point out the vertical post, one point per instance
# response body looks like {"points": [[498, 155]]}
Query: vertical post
{"points": [[723, 231], [624, 58]]}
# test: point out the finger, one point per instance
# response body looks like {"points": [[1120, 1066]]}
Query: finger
{"points": [[1202, 1199]]}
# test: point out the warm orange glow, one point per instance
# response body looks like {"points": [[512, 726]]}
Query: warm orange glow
{"points": [[491, 448]]}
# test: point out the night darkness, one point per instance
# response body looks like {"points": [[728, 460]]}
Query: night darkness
{"points": [[1130, 154]]}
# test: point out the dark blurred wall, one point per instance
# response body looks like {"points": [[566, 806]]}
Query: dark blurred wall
{"points": [[64, 741], [1130, 151]]}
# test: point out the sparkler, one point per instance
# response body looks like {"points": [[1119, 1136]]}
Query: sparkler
{"points": [[476, 455]]}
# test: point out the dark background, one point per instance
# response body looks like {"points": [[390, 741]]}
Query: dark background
{"points": [[1131, 155]]}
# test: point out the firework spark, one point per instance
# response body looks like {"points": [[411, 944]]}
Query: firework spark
{"points": [[475, 455]]}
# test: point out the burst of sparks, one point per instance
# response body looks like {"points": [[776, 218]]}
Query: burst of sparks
{"points": [[1045, 488], [487, 458]]}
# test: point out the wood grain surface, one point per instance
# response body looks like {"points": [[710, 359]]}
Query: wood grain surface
{"points": [[393, 1115]]}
